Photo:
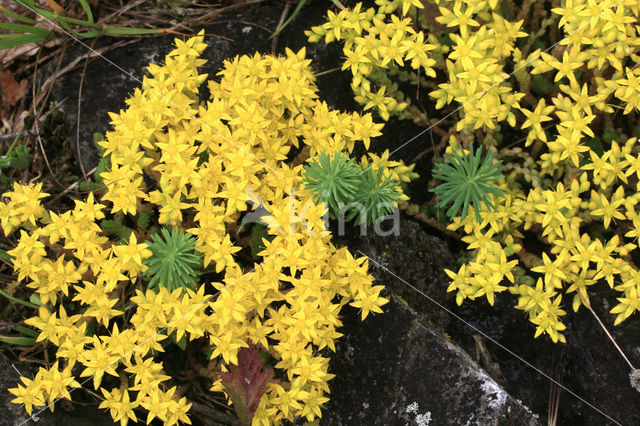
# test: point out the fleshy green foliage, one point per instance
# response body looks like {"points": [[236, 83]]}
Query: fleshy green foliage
{"points": [[258, 232], [333, 181], [103, 163], [174, 263], [378, 195], [345, 186], [467, 179], [117, 228], [144, 219], [17, 158]]}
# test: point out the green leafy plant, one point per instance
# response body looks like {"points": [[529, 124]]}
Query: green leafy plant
{"points": [[117, 228], [377, 194], [333, 181], [28, 337], [17, 157], [341, 184], [467, 180], [175, 262], [28, 32]]}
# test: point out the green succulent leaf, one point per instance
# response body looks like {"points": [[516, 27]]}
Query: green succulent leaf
{"points": [[376, 194], [175, 263], [117, 228], [467, 181], [333, 181], [19, 157]]}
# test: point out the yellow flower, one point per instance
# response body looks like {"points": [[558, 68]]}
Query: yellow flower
{"points": [[157, 403], [553, 274], [536, 117], [55, 382], [463, 19], [608, 209], [548, 321], [464, 50], [627, 306], [24, 206], [98, 361], [132, 254], [370, 301], [30, 395], [119, 405]]}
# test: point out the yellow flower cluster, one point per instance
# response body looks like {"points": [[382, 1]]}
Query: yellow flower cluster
{"points": [[198, 165], [594, 68], [476, 63], [25, 208], [590, 187], [376, 44], [45, 388]]}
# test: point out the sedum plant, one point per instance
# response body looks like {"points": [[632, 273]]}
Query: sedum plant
{"points": [[194, 165], [174, 262], [366, 194], [378, 195], [467, 179], [332, 180], [572, 178]]}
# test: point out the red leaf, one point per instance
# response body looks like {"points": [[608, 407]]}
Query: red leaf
{"points": [[245, 383]]}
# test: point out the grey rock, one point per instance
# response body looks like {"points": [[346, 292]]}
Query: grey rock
{"points": [[395, 368]]}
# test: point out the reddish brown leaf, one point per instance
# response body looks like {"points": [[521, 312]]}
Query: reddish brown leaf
{"points": [[245, 383], [10, 90]]}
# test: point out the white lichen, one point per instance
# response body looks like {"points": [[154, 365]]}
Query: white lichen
{"points": [[634, 379], [412, 408]]}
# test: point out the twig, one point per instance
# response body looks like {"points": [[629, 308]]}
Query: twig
{"points": [[36, 120], [283, 16], [12, 136], [588, 306], [328, 71], [70, 187], [79, 109], [203, 19]]}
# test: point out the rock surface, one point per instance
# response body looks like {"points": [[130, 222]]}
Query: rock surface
{"points": [[595, 377], [395, 369]]}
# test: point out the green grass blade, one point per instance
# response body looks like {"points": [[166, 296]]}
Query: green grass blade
{"points": [[13, 36], [28, 38], [291, 18], [30, 29], [16, 300], [27, 3], [87, 10], [80, 22], [63, 21], [16, 16], [5, 256], [20, 341], [129, 31], [26, 331]]}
